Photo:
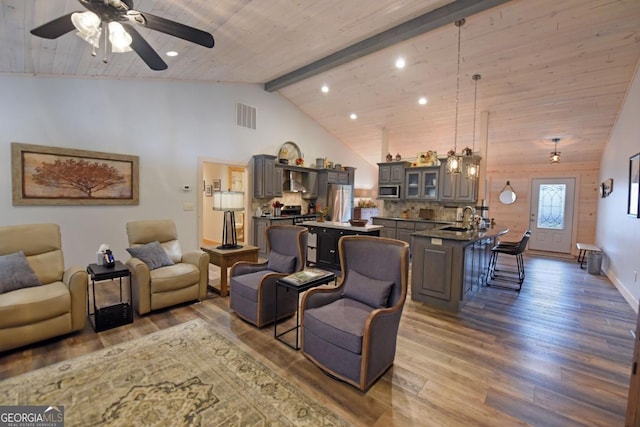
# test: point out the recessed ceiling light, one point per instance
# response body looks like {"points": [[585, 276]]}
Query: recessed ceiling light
{"points": [[422, 101], [172, 53], [353, 116], [400, 63], [324, 89]]}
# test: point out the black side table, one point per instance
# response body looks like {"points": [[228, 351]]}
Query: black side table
{"points": [[299, 283], [114, 315]]}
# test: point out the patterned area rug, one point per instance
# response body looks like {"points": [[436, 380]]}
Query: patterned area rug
{"points": [[185, 375]]}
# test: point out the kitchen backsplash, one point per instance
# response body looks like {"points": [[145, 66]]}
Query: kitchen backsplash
{"points": [[392, 209]]}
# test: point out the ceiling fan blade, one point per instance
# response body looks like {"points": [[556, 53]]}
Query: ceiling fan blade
{"points": [[55, 28], [172, 28], [144, 50]]}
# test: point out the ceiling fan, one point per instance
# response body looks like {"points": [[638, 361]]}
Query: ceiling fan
{"points": [[116, 17]]}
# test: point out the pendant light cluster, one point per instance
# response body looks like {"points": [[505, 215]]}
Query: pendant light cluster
{"points": [[454, 162], [555, 154], [473, 169]]}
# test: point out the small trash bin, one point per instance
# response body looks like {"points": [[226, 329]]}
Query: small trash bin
{"points": [[594, 262]]}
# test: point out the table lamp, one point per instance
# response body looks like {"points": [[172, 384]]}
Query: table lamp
{"points": [[229, 202]]}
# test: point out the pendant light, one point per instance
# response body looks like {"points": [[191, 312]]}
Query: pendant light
{"points": [[555, 154], [454, 162], [473, 169]]}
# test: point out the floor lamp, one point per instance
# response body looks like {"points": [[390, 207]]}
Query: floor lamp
{"points": [[229, 202]]}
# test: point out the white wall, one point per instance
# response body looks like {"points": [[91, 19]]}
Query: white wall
{"points": [[617, 233], [169, 125]]}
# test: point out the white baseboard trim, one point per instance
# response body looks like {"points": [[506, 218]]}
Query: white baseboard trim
{"points": [[622, 289]]}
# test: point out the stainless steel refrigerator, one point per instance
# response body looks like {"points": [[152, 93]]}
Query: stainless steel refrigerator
{"points": [[340, 202]]}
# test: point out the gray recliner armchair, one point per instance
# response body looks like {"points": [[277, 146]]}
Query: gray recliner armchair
{"points": [[350, 331], [253, 284]]}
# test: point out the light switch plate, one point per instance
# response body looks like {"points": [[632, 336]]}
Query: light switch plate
{"points": [[187, 207]]}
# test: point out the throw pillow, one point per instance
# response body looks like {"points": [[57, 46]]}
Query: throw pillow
{"points": [[281, 263], [373, 292], [151, 254], [16, 273]]}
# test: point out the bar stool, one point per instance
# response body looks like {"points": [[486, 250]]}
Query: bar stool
{"points": [[508, 248]]}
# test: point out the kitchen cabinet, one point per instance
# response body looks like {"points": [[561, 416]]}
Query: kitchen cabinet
{"points": [[267, 179], [389, 225], [260, 224], [421, 183], [337, 176], [447, 267], [391, 172], [403, 228], [458, 188]]}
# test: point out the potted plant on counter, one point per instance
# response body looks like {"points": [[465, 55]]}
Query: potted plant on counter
{"points": [[277, 207]]}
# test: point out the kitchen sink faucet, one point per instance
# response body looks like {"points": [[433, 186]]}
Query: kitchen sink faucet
{"points": [[467, 222]]}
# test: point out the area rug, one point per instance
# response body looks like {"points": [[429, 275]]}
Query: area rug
{"points": [[185, 375]]}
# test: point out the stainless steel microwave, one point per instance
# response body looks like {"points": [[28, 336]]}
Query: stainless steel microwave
{"points": [[389, 192]]}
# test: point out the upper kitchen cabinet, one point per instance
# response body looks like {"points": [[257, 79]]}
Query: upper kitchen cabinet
{"points": [[334, 176], [267, 179], [458, 188], [421, 183], [391, 172]]}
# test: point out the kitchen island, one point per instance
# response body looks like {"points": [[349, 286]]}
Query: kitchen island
{"points": [[322, 246], [447, 266]]}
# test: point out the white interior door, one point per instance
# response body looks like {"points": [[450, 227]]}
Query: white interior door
{"points": [[552, 214]]}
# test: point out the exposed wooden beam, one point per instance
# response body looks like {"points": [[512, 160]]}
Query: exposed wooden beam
{"points": [[424, 23]]}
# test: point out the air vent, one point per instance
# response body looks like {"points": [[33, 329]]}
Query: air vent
{"points": [[245, 116]]}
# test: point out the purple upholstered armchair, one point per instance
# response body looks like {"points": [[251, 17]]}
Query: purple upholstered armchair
{"points": [[253, 284], [350, 331]]}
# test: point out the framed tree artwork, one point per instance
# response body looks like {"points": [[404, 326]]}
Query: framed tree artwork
{"points": [[44, 175]]}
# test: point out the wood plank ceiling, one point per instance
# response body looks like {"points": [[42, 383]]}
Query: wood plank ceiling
{"points": [[549, 68]]}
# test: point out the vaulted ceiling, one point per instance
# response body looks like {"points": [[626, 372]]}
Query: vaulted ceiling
{"points": [[550, 68]]}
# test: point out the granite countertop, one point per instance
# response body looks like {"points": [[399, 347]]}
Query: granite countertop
{"points": [[468, 236], [435, 221], [344, 226]]}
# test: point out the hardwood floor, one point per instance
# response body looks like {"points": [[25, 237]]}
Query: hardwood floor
{"points": [[557, 354]]}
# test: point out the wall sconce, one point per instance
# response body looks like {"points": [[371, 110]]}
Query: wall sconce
{"points": [[228, 201], [555, 154]]}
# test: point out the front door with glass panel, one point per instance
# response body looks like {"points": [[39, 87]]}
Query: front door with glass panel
{"points": [[552, 214]]}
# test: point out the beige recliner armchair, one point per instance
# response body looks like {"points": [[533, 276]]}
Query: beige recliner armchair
{"points": [[185, 280], [58, 305]]}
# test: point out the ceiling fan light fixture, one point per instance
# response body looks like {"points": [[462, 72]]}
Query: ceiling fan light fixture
{"points": [[88, 26], [555, 154], [119, 38]]}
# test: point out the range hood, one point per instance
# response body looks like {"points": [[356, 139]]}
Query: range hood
{"points": [[293, 183]]}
